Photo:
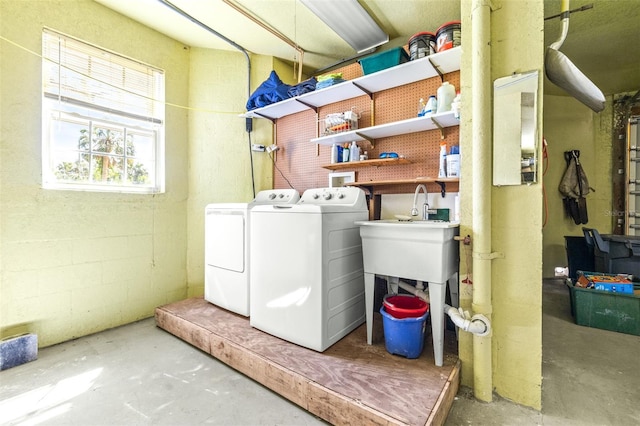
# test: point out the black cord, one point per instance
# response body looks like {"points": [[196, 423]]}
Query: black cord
{"points": [[278, 169], [253, 179]]}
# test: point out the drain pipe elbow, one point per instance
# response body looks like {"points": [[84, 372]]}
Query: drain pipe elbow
{"points": [[478, 324]]}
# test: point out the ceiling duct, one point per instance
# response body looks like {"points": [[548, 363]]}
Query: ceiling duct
{"points": [[563, 73]]}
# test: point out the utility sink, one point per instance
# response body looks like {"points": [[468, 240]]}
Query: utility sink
{"points": [[422, 250], [417, 250]]}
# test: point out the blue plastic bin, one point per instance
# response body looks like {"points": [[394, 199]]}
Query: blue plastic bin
{"points": [[404, 336]]}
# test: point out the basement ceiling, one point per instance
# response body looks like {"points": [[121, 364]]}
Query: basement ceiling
{"points": [[603, 42]]}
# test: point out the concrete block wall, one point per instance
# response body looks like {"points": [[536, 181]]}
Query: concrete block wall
{"points": [[74, 263]]}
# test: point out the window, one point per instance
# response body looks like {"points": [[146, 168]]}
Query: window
{"points": [[103, 119]]}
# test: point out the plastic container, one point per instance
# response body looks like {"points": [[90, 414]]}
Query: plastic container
{"points": [[432, 106], [453, 165], [608, 311], [345, 153], [442, 169], [334, 154], [579, 255], [354, 152], [448, 36], [384, 60], [404, 336], [446, 92], [421, 45], [404, 306], [456, 105]]}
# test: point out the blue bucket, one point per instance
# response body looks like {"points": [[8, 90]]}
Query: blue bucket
{"points": [[404, 337]]}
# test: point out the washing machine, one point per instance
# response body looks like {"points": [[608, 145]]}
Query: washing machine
{"points": [[307, 275], [227, 240]]}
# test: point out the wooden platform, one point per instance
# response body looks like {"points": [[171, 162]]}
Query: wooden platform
{"points": [[349, 383]]}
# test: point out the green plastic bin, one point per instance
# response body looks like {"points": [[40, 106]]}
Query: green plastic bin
{"points": [[384, 60], [607, 311]]}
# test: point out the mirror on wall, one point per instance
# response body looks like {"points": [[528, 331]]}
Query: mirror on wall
{"points": [[515, 141]]}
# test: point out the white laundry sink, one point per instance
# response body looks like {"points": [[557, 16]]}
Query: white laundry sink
{"points": [[419, 250]]}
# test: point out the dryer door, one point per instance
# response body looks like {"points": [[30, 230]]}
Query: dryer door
{"points": [[225, 240]]}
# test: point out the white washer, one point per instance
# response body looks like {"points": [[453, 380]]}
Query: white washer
{"points": [[227, 242], [307, 275]]}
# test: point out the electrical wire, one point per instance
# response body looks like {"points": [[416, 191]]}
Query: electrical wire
{"points": [[253, 179], [280, 171], [545, 167]]}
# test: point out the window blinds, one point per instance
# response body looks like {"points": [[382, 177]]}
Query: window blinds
{"points": [[82, 74]]}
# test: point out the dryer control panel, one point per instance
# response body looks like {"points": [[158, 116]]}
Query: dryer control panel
{"points": [[277, 196], [347, 196]]}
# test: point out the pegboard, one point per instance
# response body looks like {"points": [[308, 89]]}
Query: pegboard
{"points": [[301, 161]]}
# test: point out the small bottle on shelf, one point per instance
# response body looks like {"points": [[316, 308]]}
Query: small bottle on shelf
{"points": [[345, 153]]}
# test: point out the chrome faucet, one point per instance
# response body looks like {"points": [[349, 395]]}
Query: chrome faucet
{"points": [[425, 206]]}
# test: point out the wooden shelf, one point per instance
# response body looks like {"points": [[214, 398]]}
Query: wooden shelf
{"points": [[367, 163], [411, 125], [375, 183], [409, 72], [417, 180]]}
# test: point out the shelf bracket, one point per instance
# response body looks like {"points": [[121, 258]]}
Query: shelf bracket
{"points": [[443, 188], [271, 119], [439, 126], [367, 138], [313, 107], [368, 92], [437, 68]]}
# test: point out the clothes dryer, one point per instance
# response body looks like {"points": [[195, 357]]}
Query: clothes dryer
{"points": [[227, 241], [307, 275]]}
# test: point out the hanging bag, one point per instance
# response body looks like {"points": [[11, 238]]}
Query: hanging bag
{"points": [[574, 186]]}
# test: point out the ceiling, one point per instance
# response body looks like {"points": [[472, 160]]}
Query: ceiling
{"points": [[603, 42]]}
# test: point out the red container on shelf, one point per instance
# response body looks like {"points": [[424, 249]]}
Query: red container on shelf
{"points": [[404, 306]]}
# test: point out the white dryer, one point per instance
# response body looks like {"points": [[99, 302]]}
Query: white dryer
{"points": [[226, 252], [307, 275]]}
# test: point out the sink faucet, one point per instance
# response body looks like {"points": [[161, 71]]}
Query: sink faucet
{"points": [[425, 206]]}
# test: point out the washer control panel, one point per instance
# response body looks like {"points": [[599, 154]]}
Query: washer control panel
{"points": [[277, 196], [349, 196]]}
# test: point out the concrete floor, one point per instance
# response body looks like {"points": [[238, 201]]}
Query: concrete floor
{"points": [[140, 375]]}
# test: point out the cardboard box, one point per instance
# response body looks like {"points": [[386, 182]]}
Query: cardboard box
{"points": [[605, 282]]}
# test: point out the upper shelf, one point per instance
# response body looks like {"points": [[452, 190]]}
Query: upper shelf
{"points": [[409, 72], [410, 125]]}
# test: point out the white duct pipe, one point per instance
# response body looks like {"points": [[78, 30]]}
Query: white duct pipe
{"points": [[481, 190]]}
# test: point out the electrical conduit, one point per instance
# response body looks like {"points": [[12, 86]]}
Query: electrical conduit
{"points": [[237, 46], [481, 191]]}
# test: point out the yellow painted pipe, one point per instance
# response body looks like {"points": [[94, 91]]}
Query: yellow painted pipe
{"points": [[481, 190]]}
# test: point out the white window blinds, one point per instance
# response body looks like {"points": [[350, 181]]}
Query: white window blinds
{"points": [[81, 74]]}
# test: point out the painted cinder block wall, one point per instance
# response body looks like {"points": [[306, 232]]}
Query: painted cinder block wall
{"points": [[219, 154], [73, 263], [516, 218]]}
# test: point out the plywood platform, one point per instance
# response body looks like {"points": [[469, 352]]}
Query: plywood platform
{"points": [[349, 383]]}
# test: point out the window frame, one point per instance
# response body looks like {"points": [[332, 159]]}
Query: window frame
{"points": [[65, 100]]}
